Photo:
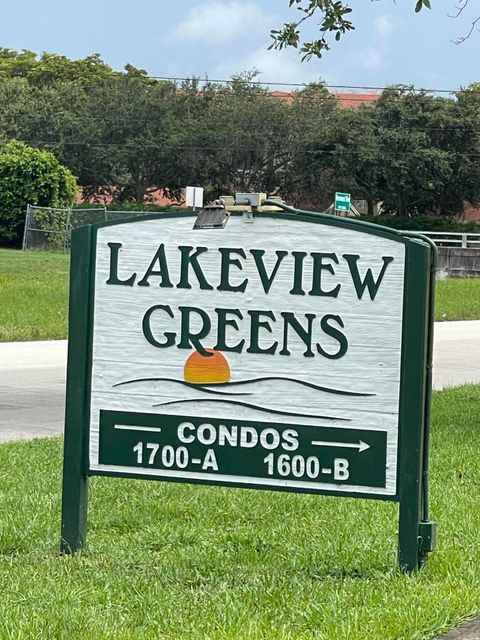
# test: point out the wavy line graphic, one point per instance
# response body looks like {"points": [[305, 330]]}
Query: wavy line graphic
{"points": [[197, 387], [340, 392], [252, 406], [207, 388]]}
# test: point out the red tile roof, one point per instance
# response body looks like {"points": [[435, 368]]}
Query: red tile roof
{"points": [[348, 100], [352, 100]]}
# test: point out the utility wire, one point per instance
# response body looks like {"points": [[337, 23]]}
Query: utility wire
{"points": [[304, 84], [332, 98], [259, 83], [300, 149], [115, 123], [271, 128]]}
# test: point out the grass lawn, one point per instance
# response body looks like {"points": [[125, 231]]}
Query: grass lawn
{"points": [[34, 296], [458, 299], [182, 562]]}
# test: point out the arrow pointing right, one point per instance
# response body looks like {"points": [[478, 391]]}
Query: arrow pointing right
{"points": [[361, 445]]}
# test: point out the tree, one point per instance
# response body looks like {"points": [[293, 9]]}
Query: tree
{"points": [[334, 22], [243, 138], [127, 135], [16, 108], [138, 125], [51, 68], [415, 153], [30, 176], [356, 159], [309, 180], [430, 147], [109, 128], [16, 64]]}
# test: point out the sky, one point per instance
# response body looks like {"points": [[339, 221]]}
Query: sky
{"points": [[216, 39]]}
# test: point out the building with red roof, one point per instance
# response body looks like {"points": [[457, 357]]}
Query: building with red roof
{"points": [[346, 100]]}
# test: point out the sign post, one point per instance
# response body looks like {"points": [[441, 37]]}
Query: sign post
{"points": [[292, 355]]}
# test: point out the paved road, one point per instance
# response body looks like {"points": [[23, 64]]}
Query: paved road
{"points": [[32, 389], [456, 353], [32, 377]]}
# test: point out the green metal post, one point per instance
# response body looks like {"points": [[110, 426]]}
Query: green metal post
{"points": [[412, 412], [74, 496]]}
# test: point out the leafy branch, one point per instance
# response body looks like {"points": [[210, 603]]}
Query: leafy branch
{"points": [[334, 23]]}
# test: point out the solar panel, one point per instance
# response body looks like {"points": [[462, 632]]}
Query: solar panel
{"points": [[212, 217]]}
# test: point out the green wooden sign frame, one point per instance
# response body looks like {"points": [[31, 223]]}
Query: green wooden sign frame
{"points": [[416, 534]]}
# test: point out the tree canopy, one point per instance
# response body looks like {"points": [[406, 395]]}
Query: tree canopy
{"points": [[126, 136]]}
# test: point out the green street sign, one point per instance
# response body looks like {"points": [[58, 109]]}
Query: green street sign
{"points": [[342, 201], [291, 354]]}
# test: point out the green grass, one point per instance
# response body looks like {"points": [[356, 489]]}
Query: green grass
{"points": [[458, 299], [34, 295], [167, 561]]}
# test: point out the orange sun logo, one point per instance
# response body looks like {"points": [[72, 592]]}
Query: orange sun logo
{"points": [[201, 369]]}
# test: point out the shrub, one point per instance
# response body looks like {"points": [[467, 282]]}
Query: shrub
{"points": [[30, 176]]}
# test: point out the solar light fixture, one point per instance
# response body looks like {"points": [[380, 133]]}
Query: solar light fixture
{"points": [[212, 216], [250, 199]]}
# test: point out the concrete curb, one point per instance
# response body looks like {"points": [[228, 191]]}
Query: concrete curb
{"points": [[468, 631]]}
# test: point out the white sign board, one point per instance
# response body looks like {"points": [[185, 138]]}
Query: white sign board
{"points": [[283, 333]]}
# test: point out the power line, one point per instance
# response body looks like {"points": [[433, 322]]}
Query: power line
{"points": [[130, 123], [291, 97], [300, 148], [240, 80], [273, 127], [304, 84]]}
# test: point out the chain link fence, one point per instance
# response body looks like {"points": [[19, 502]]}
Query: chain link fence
{"points": [[50, 229]]}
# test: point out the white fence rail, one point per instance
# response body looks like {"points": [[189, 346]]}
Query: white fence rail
{"points": [[454, 239]]}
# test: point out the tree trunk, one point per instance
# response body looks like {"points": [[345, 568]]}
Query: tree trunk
{"points": [[370, 207], [403, 206], [140, 191]]}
